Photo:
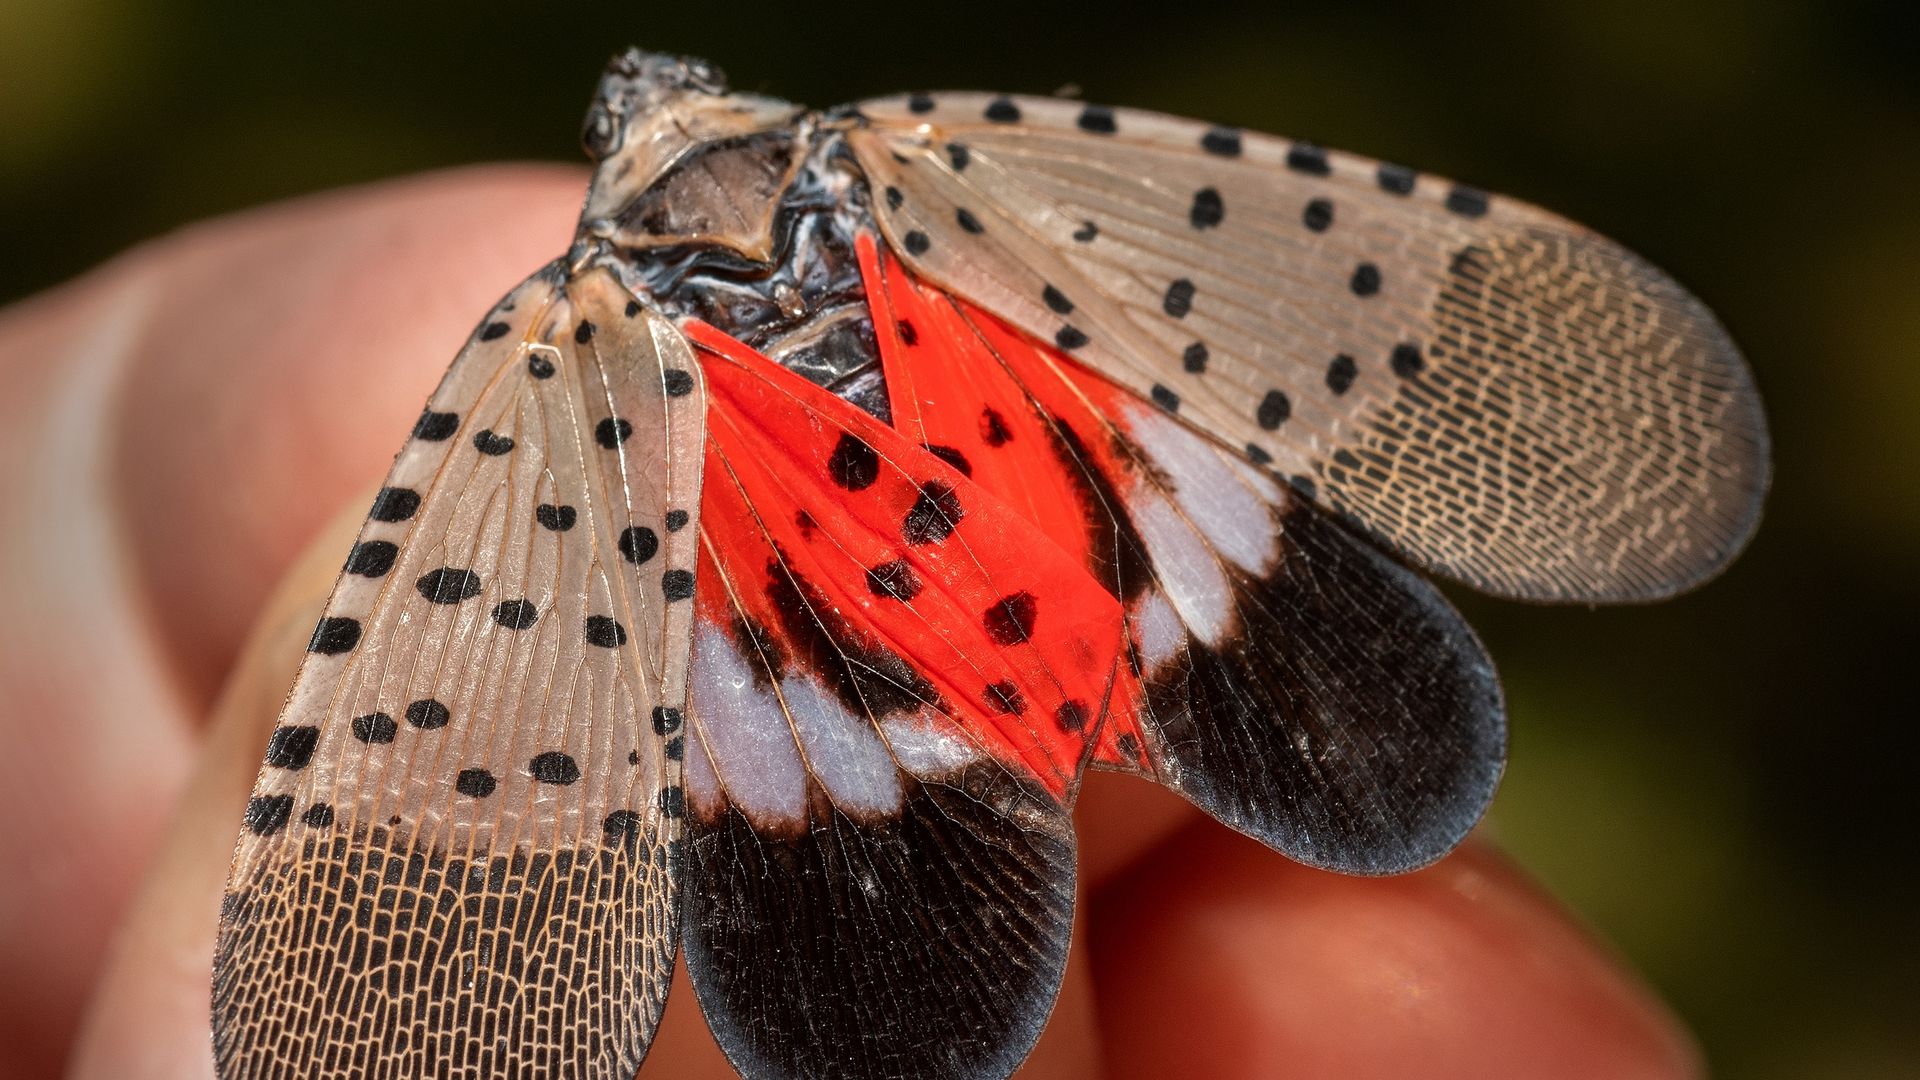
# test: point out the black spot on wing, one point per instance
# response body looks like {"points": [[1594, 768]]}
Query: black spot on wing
{"points": [[372, 558], [436, 426], [853, 465], [814, 955]]}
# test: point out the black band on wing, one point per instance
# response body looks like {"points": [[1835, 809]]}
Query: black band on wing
{"points": [[1353, 723], [927, 944]]}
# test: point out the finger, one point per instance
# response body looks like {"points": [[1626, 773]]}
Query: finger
{"points": [[1214, 957]]}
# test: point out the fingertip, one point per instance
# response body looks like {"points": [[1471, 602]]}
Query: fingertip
{"points": [[1217, 957]]}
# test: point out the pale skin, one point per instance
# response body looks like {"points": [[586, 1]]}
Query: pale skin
{"points": [[192, 433]]}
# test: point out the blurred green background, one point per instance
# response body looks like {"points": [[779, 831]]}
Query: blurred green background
{"points": [[1722, 785]]}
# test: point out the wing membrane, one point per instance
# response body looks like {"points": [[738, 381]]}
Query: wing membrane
{"points": [[1497, 393], [455, 859]]}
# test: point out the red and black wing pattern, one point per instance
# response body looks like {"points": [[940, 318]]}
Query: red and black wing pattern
{"points": [[896, 682], [1289, 679]]}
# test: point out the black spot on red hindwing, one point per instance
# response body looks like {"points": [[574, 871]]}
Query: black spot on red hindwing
{"points": [[993, 428], [553, 767], [1010, 620], [908, 335], [1005, 697], [862, 673], [292, 747], [952, 457], [933, 516], [853, 465], [894, 579], [1071, 716]]}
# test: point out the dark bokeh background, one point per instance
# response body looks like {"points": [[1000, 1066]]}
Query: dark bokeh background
{"points": [[1722, 785]]}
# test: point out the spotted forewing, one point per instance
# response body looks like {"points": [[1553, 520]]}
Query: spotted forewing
{"points": [[458, 850], [1496, 393]]}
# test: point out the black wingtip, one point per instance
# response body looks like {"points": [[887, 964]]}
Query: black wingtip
{"points": [[931, 944], [1355, 723]]}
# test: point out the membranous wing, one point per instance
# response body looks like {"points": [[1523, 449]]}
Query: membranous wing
{"points": [[456, 860], [1496, 393], [896, 686]]}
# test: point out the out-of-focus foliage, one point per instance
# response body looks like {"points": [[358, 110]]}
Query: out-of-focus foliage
{"points": [[1721, 785]]}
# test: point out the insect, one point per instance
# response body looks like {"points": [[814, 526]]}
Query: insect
{"points": [[768, 571]]}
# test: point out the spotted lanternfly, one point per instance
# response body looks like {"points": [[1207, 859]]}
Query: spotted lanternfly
{"points": [[768, 571]]}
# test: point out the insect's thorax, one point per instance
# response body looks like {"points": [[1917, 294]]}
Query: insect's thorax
{"points": [[756, 237]]}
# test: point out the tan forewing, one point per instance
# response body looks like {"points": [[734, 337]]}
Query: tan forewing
{"points": [[1496, 392], [456, 854]]}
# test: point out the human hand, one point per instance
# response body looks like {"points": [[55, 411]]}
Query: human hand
{"points": [[180, 425]]}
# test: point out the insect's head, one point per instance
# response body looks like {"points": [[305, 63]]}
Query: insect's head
{"points": [[652, 113]]}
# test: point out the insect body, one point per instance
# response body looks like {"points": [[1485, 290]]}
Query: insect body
{"points": [[767, 572]]}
